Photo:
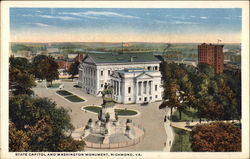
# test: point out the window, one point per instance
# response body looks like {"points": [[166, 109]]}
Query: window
{"points": [[108, 72], [129, 89], [129, 99], [101, 85], [139, 99], [101, 73], [150, 98], [156, 96], [155, 87]]}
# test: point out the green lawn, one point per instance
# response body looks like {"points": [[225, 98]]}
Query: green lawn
{"points": [[181, 141], [74, 98], [123, 112], [93, 109], [188, 114], [63, 93], [120, 112], [54, 85]]}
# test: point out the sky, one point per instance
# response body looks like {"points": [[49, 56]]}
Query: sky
{"points": [[125, 25]]}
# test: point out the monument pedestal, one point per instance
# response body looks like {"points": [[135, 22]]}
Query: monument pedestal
{"points": [[106, 139]]}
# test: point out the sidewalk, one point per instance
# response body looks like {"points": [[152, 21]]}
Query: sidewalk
{"points": [[183, 125], [170, 136], [170, 133]]}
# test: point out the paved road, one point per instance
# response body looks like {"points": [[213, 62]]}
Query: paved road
{"points": [[151, 118]]}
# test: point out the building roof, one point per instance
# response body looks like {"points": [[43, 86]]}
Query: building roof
{"points": [[135, 73], [204, 44], [122, 57]]}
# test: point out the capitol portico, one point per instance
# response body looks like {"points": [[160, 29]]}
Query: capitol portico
{"points": [[136, 85]]}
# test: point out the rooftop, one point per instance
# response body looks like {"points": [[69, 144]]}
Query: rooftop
{"points": [[123, 57], [135, 71]]}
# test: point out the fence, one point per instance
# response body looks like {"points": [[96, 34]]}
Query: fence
{"points": [[119, 144]]}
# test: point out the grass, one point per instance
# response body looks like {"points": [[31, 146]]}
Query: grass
{"points": [[63, 93], [94, 109], [74, 98], [120, 112], [188, 114], [54, 85], [181, 141], [123, 112]]}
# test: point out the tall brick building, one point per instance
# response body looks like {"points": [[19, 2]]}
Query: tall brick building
{"points": [[212, 55]]}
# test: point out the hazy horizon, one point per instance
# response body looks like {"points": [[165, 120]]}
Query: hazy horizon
{"points": [[115, 25]]}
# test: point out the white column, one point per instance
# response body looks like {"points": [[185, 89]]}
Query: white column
{"points": [[118, 87], [140, 88], [115, 87], [136, 91], [151, 87]]}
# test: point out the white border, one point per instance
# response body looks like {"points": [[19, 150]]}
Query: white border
{"points": [[5, 38]]}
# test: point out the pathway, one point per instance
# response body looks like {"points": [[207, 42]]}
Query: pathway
{"points": [[151, 117], [169, 131], [187, 127]]}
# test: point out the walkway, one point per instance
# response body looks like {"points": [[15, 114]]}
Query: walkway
{"points": [[188, 127], [151, 117], [169, 131]]}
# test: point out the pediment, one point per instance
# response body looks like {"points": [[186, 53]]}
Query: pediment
{"points": [[144, 76], [115, 75], [88, 60]]}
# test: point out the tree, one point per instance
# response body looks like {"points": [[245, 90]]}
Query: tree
{"points": [[73, 70], [18, 139], [20, 63], [211, 109], [178, 89], [171, 99], [227, 96], [50, 69], [70, 145], [216, 137], [37, 64], [44, 123], [20, 78], [206, 69]]}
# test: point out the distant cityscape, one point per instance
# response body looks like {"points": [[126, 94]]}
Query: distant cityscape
{"points": [[66, 53]]}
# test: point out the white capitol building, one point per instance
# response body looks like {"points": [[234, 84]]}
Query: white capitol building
{"points": [[135, 77]]}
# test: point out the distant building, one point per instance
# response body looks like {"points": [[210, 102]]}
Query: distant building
{"points": [[71, 56], [64, 63], [213, 55], [135, 76], [52, 49], [232, 66], [186, 61], [80, 57]]}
